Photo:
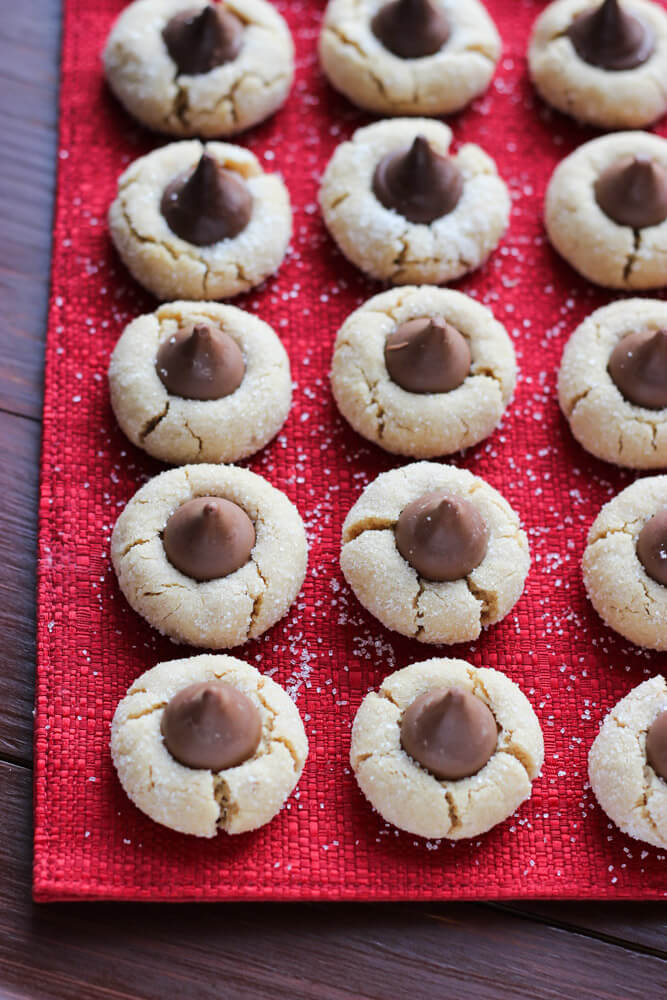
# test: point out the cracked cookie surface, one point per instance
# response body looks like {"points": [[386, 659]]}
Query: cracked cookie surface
{"points": [[620, 589], [172, 268], [371, 76], [413, 799], [384, 243], [202, 802], [624, 783], [222, 612], [392, 590], [228, 99], [601, 419], [422, 425], [179, 430], [600, 249], [629, 99]]}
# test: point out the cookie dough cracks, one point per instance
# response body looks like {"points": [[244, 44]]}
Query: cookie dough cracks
{"points": [[413, 799], [219, 613], [227, 99], [388, 586], [421, 424], [201, 802]]}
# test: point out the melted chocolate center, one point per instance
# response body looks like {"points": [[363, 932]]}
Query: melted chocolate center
{"points": [[427, 355], [450, 732], [211, 725], [638, 366], [207, 204], [418, 183], [652, 547], [609, 37], [633, 191], [198, 40], [412, 29], [200, 362], [208, 538], [442, 536]]}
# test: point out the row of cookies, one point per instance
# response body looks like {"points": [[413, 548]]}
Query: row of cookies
{"points": [[216, 69]]}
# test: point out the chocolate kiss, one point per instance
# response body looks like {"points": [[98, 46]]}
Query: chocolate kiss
{"points": [[656, 745], [411, 28], [208, 538], [610, 38], [450, 732], [652, 547], [207, 204], [633, 192], [199, 40], [418, 183], [211, 725], [442, 536], [427, 355], [200, 362], [638, 366]]}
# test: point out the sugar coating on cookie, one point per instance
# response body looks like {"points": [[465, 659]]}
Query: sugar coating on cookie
{"points": [[171, 267], [182, 430], [411, 797], [199, 801], [384, 243], [602, 420], [624, 783], [390, 587], [618, 585], [359, 65], [223, 612], [632, 98], [226, 99], [599, 248], [424, 424]]}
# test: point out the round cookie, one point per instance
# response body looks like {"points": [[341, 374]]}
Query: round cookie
{"points": [[609, 98], [601, 249], [386, 244], [429, 423], [199, 800], [172, 267], [621, 590], [222, 611], [602, 419], [196, 94], [411, 796], [625, 784], [181, 430], [373, 76], [401, 597]]}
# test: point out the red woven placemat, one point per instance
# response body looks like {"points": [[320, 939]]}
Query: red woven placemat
{"points": [[90, 841]]}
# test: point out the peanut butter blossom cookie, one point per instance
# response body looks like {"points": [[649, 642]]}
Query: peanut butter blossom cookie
{"points": [[612, 384], [194, 221], [446, 749], [434, 552], [426, 57], [627, 764], [210, 555], [606, 210], [423, 371], [207, 744], [200, 382], [188, 67], [603, 63], [625, 563], [405, 211]]}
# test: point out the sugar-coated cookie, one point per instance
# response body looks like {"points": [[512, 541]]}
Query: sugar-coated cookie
{"points": [[446, 749], [627, 764], [434, 552], [424, 57], [602, 63], [193, 68], [625, 563], [606, 210], [210, 555], [207, 744], [404, 211], [423, 371], [200, 382], [193, 221]]}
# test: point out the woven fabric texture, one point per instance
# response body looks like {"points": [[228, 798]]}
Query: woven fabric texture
{"points": [[90, 841]]}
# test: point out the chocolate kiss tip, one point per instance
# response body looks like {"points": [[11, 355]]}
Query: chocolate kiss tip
{"points": [[611, 38]]}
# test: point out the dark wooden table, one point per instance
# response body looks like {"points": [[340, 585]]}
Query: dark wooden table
{"points": [[560, 951]]}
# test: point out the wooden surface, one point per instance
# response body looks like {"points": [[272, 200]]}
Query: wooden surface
{"points": [[537, 950]]}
